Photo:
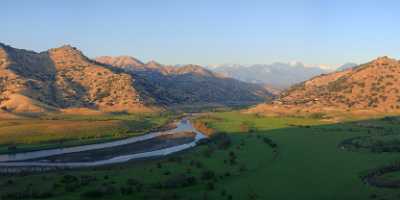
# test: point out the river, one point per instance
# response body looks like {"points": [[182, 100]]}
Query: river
{"points": [[24, 159]]}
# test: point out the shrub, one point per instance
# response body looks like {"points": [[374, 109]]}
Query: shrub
{"points": [[180, 180], [93, 193], [317, 115], [222, 140], [132, 182], [210, 186], [208, 152], [126, 190], [207, 175]]}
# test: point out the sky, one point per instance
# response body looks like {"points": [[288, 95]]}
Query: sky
{"points": [[209, 32]]}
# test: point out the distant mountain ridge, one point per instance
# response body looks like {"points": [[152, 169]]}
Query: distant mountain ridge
{"points": [[278, 75], [346, 66], [120, 61]]}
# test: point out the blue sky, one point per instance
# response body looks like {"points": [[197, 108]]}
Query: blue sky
{"points": [[209, 31]]}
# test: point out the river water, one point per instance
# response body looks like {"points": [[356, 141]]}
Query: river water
{"points": [[20, 159]]}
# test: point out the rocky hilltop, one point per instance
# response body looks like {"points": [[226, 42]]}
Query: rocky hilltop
{"points": [[64, 79], [373, 86]]}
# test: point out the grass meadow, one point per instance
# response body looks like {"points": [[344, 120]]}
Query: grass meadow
{"points": [[249, 157], [17, 135]]}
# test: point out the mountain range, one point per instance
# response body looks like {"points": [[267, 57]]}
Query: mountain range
{"points": [[277, 75], [187, 84], [373, 86], [64, 79]]}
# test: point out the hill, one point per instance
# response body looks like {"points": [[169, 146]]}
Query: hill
{"points": [[62, 78], [373, 86], [190, 85]]}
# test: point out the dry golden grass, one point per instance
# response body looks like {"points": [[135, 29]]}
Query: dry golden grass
{"points": [[202, 127], [369, 90], [42, 131]]}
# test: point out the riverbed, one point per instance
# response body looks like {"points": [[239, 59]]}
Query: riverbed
{"points": [[46, 158]]}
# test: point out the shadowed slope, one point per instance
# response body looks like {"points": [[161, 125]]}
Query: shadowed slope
{"points": [[191, 84]]}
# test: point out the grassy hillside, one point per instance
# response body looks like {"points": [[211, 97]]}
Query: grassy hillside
{"points": [[368, 89]]}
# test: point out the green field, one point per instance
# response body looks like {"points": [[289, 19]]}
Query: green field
{"points": [[53, 131], [250, 157], [392, 176]]}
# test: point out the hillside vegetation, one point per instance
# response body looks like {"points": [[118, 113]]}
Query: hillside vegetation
{"points": [[373, 87]]}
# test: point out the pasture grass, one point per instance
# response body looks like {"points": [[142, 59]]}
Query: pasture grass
{"points": [[306, 164], [18, 135], [392, 176]]}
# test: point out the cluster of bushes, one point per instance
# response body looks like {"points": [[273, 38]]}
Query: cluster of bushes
{"points": [[373, 176], [207, 175], [232, 158], [180, 180], [271, 143], [338, 85], [196, 164], [72, 183], [221, 140], [376, 144], [107, 189], [391, 119], [100, 191], [317, 115], [27, 194], [137, 185]]}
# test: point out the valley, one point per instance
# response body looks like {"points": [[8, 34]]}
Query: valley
{"points": [[199, 100], [116, 127]]}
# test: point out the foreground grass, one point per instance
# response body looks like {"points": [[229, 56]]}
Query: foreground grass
{"points": [[306, 163], [68, 130]]}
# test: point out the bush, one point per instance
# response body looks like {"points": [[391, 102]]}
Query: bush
{"points": [[208, 152], [93, 193], [210, 186], [180, 180], [132, 182], [207, 175], [317, 115], [126, 190], [222, 140], [271, 143]]}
